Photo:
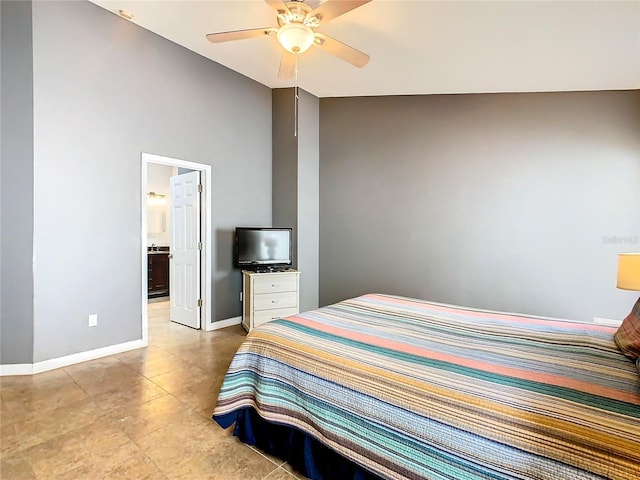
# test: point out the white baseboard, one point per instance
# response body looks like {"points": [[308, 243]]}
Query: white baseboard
{"points": [[16, 369], [46, 365], [607, 321], [229, 322]]}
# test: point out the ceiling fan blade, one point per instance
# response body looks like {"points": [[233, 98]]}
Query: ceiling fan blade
{"points": [[341, 50], [287, 69], [239, 34], [277, 5], [334, 8]]}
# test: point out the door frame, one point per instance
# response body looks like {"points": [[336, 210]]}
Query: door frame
{"points": [[206, 225]]}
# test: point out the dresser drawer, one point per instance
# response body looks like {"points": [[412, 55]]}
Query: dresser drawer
{"points": [[275, 284], [267, 315], [268, 301]]}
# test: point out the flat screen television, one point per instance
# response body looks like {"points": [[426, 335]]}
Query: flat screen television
{"points": [[262, 248]]}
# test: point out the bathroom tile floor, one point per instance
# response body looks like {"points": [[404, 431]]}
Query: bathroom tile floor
{"points": [[143, 414]]}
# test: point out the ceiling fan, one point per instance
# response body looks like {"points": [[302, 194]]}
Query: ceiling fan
{"points": [[296, 32]]}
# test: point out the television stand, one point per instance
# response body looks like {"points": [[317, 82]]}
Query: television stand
{"points": [[269, 295]]}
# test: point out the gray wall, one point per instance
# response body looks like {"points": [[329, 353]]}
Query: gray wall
{"points": [[106, 90], [285, 164], [515, 202], [295, 182], [16, 184], [308, 199]]}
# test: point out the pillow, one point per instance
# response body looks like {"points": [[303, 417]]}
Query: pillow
{"points": [[627, 336]]}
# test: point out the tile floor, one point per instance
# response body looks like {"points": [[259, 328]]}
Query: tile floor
{"points": [[143, 414]]}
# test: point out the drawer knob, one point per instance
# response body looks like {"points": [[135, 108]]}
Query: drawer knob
{"points": [[275, 285], [274, 301]]}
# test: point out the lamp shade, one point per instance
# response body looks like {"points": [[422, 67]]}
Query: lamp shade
{"points": [[295, 37], [629, 271]]}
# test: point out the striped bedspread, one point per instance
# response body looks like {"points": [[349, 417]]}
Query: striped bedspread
{"points": [[412, 389]]}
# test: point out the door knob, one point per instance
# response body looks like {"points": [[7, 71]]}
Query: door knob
{"points": [[170, 256]]}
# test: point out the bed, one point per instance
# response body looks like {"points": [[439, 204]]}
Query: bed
{"points": [[386, 387]]}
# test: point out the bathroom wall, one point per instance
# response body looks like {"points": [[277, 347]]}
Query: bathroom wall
{"points": [[158, 215]]}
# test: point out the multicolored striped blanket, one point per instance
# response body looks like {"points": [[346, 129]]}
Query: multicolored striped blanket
{"points": [[415, 390]]}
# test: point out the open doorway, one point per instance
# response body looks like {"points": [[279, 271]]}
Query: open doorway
{"points": [[158, 227], [159, 219]]}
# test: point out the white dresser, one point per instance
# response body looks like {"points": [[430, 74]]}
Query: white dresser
{"points": [[267, 296]]}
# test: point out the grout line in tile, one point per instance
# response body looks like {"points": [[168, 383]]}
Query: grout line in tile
{"points": [[277, 470]]}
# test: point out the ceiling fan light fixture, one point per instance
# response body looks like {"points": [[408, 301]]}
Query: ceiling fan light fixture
{"points": [[295, 37]]}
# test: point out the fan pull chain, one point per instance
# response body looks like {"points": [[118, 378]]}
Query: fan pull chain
{"points": [[295, 108], [295, 104]]}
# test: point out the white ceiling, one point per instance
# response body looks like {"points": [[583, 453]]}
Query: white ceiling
{"points": [[423, 46]]}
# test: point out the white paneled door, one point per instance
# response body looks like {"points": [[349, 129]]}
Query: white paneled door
{"points": [[184, 268]]}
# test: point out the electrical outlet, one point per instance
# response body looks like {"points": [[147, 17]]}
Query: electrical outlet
{"points": [[93, 320]]}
